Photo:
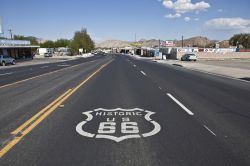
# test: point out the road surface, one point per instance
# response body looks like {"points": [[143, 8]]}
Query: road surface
{"points": [[117, 110]]}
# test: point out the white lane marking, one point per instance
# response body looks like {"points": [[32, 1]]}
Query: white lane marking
{"points": [[209, 130], [143, 73], [6, 74], [160, 88], [180, 104], [63, 65], [43, 67]]}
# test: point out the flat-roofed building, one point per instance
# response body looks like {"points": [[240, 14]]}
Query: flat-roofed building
{"points": [[17, 49]]}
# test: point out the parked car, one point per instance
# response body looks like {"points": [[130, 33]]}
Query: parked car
{"points": [[5, 59], [189, 57], [47, 54]]}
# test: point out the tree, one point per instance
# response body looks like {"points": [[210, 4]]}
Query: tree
{"points": [[62, 43], [82, 40], [48, 44], [240, 39], [33, 40]]}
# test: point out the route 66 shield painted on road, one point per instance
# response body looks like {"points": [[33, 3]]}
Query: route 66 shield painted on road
{"points": [[118, 124]]}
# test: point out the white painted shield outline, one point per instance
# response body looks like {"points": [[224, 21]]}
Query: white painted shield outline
{"points": [[79, 127]]}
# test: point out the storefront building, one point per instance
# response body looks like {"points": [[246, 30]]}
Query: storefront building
{"points": [[18, 49]]}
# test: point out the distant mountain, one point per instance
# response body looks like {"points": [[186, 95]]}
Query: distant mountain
{"points": [[149, 43], [113, 44], [119, 43], [198, 41]]}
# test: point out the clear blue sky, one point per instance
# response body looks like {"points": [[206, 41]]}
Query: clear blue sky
{"points": [[121, 19]]}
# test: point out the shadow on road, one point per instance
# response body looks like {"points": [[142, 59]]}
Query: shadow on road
{"points": [[177, 65], [246, 78]]}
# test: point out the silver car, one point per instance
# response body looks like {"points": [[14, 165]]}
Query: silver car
{"points": [[5, 59], [47, 54], [189, 57]]}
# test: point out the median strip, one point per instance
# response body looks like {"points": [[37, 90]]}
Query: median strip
{"points": [[30, 124]]}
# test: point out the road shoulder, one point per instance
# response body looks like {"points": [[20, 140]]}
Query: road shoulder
{"points": [[214, 69]]}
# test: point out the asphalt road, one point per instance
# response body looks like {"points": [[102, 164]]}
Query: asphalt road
{"points": [[117, 110], [11, 75]]}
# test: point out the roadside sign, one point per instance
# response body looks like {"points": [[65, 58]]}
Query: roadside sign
{"points": [[168, 43], [80, 50]]}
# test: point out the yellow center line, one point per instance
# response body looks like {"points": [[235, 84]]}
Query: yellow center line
{"points": [[20, 128], [16, 139], [29, 125]]}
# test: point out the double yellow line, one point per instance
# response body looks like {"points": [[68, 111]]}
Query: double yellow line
{"points": [[30, 124]]}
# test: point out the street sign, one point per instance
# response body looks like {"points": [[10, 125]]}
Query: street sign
{"points": [[80, 50]]}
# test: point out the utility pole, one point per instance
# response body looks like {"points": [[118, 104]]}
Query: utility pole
{"points": [[10, 33], [135, 38], [159, 49], [182, 41]]}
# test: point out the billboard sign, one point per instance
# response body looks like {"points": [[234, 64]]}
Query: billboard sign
{"points": [[168, 43], [14, 42]]}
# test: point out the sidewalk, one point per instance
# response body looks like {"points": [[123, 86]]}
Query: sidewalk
{"points": [[239, 73]]}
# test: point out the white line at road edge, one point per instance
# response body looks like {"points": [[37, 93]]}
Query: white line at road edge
{"points": [[209, 130], [44, 67], [143, 73], [6, 74], [64, 65], [180, 104]]}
